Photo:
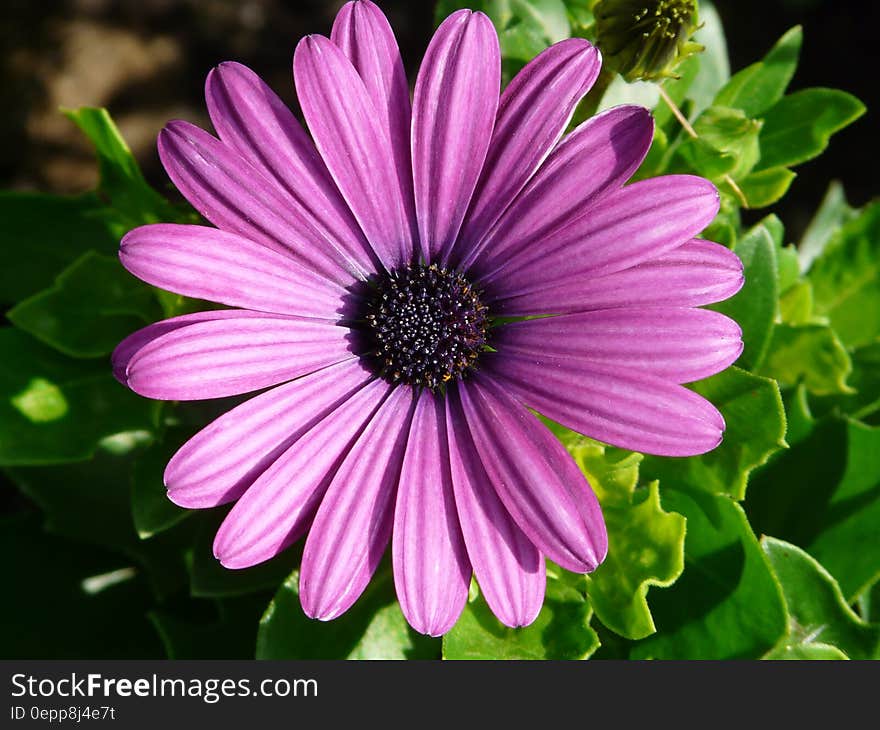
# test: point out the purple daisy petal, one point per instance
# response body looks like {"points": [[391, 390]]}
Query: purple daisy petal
{"points": [[677, 343], [535, 477], [508, 567], [632, 410], [634, 224], [236, 197], [355, 143], [431, 569], [353, 524], [234, 355], [364, 35], [697, 272], [278, 507], [454, 107], [206, 263], [534, 111], [222, 460], [588, 164], [251, 119]]}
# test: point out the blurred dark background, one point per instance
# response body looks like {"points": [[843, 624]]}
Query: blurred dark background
{"points": [[146, 61]]}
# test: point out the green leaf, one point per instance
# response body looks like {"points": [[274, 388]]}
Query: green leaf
{"points": [[374, 628], [810, 354], [151, 509], [817, 610], [646, 544], [54, 409], [752, 410], [797, 128], [824, 495], [846, 279], [726, 604], [733, 133], [561, 631], [796, 305], [832, 214], [767, 186], [122, 183], [47, 611], [754, 306], [706, 160], [714, 68], [94, 304], [42, 234], [757, 87]]}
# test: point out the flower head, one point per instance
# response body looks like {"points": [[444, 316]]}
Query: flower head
{"points": [[388, 278]]}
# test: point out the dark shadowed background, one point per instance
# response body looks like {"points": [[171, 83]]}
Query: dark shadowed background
{"points": [[146, 61]]}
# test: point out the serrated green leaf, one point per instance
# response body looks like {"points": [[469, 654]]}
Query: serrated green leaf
{"points": [[767, 186], [374, 628], [833, 212], [824, 495], [645, 543], [151, 509], [817, 610], [798, 127], [756, 88], [42, 234], [754, 306], [561, 631], [752, 410], [810, 354], [55, 409], [846, 279], [93, 305], [726, 604], [122, 182]]}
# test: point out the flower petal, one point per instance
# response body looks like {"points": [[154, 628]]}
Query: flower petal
{"points": [[223, 459], [677, 343], [278, 507], [236, 197], [534, 111], [353, 523], [363, 33], [535, 477], [206, 263], [431, 568], [212, 359], [251, 119], [454, 106], [508, 567], [588, 164], [697, 272], [632, 410], [355, 145], [638, 222]]}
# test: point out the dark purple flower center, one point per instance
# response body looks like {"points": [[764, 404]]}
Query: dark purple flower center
{"points": [[426, 325]]}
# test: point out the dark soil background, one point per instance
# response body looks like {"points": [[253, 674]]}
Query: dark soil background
{"points": [[146, 61]]}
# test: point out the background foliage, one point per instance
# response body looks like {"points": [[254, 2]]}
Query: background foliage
{"points": [[765, 547]]}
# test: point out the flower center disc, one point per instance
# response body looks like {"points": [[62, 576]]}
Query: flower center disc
{"points": [[427, 325]]}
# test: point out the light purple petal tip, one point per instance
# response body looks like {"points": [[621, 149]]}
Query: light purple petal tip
{"points": [[535, 477], [277, 509], [508, 567], [454, 106], [355, 143], [534, 111], [206, 263], [233, 355], [632, 410], [696, 273], [353, 524], [431, 568], [222, 460], [678, 343]]}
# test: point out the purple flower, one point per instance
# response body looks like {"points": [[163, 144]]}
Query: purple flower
{"points": [[384, 275]]}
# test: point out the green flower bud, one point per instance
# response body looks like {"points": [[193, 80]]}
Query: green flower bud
{"points": [[645, 39]]}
